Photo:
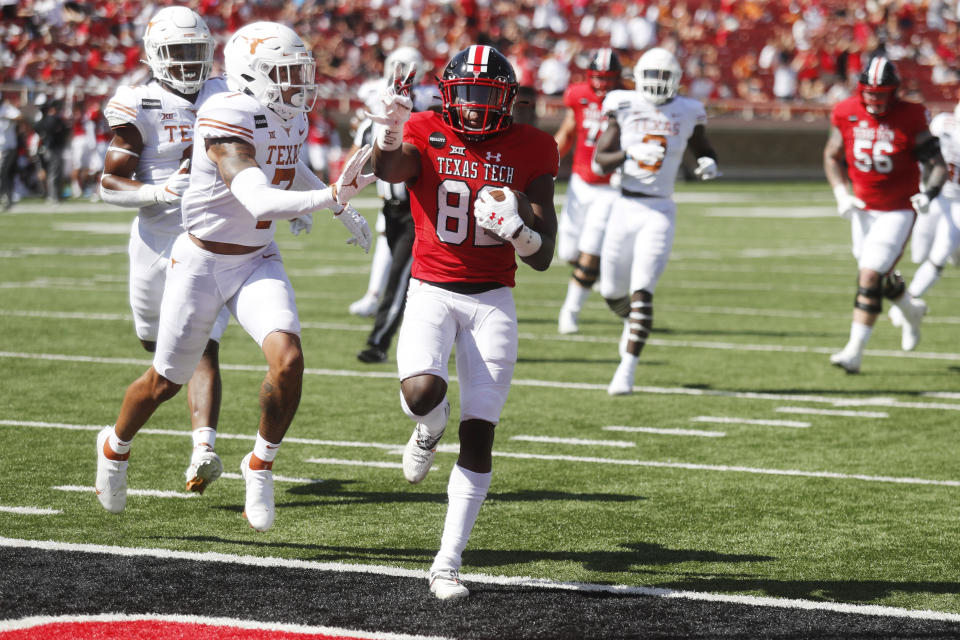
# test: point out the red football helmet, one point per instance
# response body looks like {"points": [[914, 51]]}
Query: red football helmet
{"points": [[604, 72], [479, 88], [878, 86]]}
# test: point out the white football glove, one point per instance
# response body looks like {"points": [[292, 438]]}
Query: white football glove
{"points": [[351, 181], [303, 223], [499, 217], [357, 225], [920, 202], [706, 168], [847, 203], [171, 191], [646, 153], [396, 104]]}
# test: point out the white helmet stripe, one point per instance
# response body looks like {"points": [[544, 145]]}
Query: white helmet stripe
{"points": [[603, 59], [876, 70], [478, 58]]}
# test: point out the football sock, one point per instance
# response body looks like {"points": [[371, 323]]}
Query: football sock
{"points": [[859, 335], [204, 437], [435, 421], [119, 448], [466, 492], [926, 276], [577, 294], [264, 451]]}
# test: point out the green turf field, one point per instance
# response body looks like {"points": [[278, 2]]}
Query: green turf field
{"points": [[743, 464]]}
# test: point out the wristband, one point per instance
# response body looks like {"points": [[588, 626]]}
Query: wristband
{"points": [[389, 138], [527, 242]]}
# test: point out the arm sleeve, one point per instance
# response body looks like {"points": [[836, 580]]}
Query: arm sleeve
{"points": [[265, 203]]}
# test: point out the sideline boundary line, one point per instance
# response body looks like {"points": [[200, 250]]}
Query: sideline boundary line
{"points": [[520, 581]]}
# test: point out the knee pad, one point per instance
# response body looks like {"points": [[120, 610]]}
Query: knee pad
{"points": [[873, 304], [585, 276], [893, 285], [620, 306]]}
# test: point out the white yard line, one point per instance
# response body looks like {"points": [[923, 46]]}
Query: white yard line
{"points": [[668, 432], [793, 424], [397, 448], [30, 511], [150, 493], [574, 441], [833, 412], [357, 463], [520, 581], [555, 384]]}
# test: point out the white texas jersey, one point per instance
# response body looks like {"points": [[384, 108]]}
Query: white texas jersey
{"points": [[210, 210], [669, 125], [165, 122], [946, 126]]}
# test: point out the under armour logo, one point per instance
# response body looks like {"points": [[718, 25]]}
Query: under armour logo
{"points": [[493, 156], [458, 151]]}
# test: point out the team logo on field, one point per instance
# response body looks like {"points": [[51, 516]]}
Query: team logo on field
{"points": [[260, 121], [437, 140], [150, 103]]}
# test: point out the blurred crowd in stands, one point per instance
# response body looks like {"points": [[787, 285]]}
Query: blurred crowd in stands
{"points": [[769, 57]]}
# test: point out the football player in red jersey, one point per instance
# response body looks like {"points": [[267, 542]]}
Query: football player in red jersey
{"points": [[474, 177], [879, 141], [589, 195]]}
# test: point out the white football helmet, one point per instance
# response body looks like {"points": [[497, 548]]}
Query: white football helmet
{"points": [[179, 49], [268, 60], [657, 74], [403, 57]]}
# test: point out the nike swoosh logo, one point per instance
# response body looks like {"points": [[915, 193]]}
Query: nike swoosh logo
{"points": [[269, 255], [270, 447]]}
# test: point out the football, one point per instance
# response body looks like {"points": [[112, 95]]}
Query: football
{"points": [[523, 205]]}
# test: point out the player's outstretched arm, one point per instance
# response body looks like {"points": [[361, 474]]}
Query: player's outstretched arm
{"points": [[236, 160], [703, 151], [933, 171]]}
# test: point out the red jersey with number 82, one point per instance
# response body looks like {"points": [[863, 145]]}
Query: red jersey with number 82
{"points": [[879, 151], [449, 245]]}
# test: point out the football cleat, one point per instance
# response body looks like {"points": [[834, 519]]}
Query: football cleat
{"points": [[205, 467], [849, 362], [446, 585], [910, 330], [258, 508], [622, 382], [365, 307], [419, 453], [567, 322], [372, 355], [111, 483]]}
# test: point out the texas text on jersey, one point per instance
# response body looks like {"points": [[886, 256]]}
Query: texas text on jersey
{"points": [[879, 151], [208, 204], [450, 246]]}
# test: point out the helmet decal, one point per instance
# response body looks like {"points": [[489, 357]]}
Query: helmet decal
{"points": [[477, 59]]}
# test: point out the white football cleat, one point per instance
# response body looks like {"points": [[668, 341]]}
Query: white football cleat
{"points": [[849, 362], [446, 585], [895, 315], [111, 483], [258, 508], [567, 323], [912, 317], [418, 454], [205, 467], [622, 382], [365, 307]]}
